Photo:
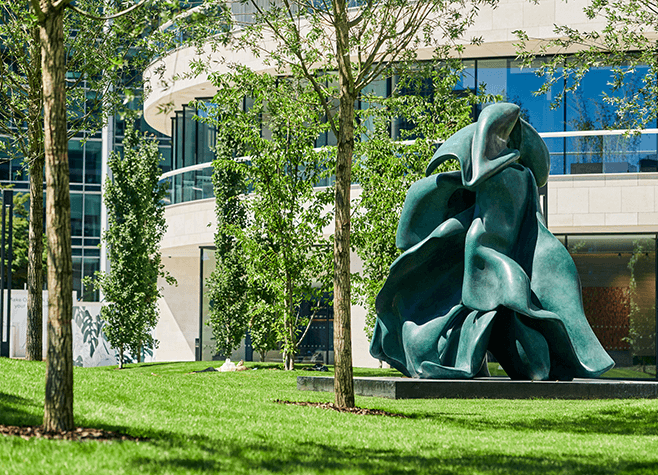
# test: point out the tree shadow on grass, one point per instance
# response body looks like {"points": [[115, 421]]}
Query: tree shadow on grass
{"points": [[19, 411], [234, 457], [642, 421]]}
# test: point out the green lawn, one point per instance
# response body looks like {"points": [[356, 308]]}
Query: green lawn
{"points": [[229, 423]]}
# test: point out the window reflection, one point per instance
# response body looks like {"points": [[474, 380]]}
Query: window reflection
{"points": [[618, 278]]}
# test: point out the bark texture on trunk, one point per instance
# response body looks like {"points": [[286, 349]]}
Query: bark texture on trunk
{"points": [[34, 343], [343, 382], [58, 413]]}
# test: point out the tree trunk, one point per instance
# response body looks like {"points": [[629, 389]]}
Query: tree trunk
{"points": [[289, 354], [120, 357], [288, 361], [343, 383], [34, 343], [58, 414]]}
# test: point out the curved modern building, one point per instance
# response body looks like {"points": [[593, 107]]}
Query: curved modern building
{"points": [[601, 200]]}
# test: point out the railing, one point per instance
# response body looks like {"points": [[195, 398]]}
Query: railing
{"points": [[574, 152]]}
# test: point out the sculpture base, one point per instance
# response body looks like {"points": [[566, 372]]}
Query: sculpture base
{"points": [[488, 388]]}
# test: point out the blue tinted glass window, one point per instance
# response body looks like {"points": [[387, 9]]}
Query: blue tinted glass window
{"points": [[179, 151], [377, 89], [77, 276], [588, 110], [89, 267], [467, 76], [165, 164], [505, 78]]}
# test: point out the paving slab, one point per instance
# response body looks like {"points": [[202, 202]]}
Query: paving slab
{"points": [[488, 388]]}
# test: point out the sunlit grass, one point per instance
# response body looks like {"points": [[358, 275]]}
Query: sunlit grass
{"points": [[229, 423]]}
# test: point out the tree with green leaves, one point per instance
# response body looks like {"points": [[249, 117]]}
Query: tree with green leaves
{"points": [[20, 241], [281, 245], [626, 43], [97, 60], [426, 102], [136, 225], [49, 19], [341, 47], [228, 290], [262, 326]]}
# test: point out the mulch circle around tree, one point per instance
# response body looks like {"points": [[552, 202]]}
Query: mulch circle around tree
{"points": [[79, 433], [363, 411]]}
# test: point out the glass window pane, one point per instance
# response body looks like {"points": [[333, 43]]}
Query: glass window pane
{"points": [[93, 162], [77, 276], [467, 79], [586, 107], [75, 161], [76, 214], [517, 85], [179, 157], [90, 266], [190, 137], [165, 164], [92, 215], [617, 273]]}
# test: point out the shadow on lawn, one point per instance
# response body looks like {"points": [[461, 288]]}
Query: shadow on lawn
{"points": [[19, 411], [640, 421], [231, 456]]}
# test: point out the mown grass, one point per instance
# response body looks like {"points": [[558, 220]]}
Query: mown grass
{"points": [[228, 423]]}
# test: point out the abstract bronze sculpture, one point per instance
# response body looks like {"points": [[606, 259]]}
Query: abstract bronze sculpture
{"points": [[480, 270]]}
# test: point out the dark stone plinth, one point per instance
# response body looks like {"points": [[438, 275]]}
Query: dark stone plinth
{"points": [[487, 388]]}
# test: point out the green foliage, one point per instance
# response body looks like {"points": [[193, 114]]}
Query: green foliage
{"points": [[642, 330], [101, 65], [425, 100], [282, 252], [626, 43], [136, 225], [262, 326], [228, 290], [20, 241]]}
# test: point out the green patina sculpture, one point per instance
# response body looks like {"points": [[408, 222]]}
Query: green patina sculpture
{"points": [[480, 270]]}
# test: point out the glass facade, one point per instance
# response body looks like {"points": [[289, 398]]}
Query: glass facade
{"points": [[582, 132], [618, 277], [85, 168]]}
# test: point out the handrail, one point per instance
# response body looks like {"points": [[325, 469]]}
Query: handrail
{"points": [[547, 135], [594, 133], [191, 168]]}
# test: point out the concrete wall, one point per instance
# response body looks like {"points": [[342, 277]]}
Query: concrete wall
{"points": [[624, 202]]}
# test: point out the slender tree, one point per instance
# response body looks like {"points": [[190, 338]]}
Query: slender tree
{"points": [[58, 410], [425, 108], [228, 290], [97, 61], [136, 225], [279, 238], [358, 42]]}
